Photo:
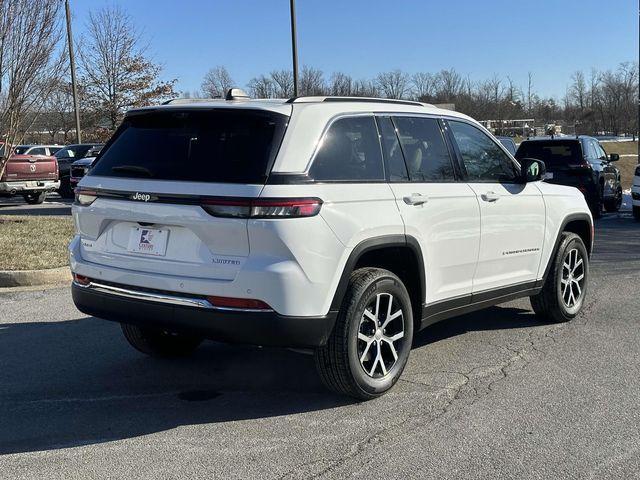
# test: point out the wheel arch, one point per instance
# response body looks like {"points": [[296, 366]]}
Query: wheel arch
{"points": [[400, 254], [579, 223]]}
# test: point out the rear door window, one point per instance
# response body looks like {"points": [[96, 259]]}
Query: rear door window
{"points": [[425, 152], [349, 151], [226, 146]]}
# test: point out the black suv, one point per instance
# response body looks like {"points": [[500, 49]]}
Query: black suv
{"points": [[66, 156], [580, 162]]}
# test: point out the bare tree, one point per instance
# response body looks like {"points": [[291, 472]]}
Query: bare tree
{"points": [[394, 84], [449, 85], [424, 86], [30, 32], [216, 82], [58, 110], [283, 83], [341, 85], [365, 88], [261, 87], [311, 81], [115, 71]]}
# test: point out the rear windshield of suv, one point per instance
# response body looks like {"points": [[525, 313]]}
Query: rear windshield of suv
{"points": [[225, 146], [554, 154]]}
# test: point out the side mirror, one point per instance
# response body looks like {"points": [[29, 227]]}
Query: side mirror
{"points": [[532, 170], [614, 157]]}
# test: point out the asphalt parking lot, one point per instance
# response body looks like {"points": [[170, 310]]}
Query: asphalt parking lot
{"points": [[493, 394], [54, 204]]}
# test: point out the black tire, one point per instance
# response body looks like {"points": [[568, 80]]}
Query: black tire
{"points": [[339, 362], [159, 343], [636, 213], [34, 198], [615, 203], [65, 189], [551, 303]]}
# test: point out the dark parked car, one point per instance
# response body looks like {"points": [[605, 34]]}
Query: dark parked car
{"points": [[79, 169], [509, 144], [580, 162], [66, 156]]}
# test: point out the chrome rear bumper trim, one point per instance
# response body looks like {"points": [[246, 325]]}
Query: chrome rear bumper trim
{"points": [[163, 298]]}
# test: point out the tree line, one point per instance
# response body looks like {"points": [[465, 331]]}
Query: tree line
{"points": [[605, 102], [116, 73]]}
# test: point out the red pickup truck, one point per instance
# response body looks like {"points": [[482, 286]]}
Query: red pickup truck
{"points": [[31, 176]]}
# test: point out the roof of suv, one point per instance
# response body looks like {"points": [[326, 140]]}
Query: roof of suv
{"points": [[284, 106]]}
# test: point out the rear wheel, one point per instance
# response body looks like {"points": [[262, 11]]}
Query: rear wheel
{"points": [[562, 295], [34, 198], [371, 341], [615, 203], [158, 342]]}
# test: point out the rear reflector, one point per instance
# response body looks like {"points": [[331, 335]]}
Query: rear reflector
{"points": [[81, 279], [243, 303], [262, 207]]}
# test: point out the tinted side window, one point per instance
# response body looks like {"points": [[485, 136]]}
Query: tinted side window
{"points": [[38, 151], [392, 151], [425, 152], [483, 159], [600, 153], [350, 150]]}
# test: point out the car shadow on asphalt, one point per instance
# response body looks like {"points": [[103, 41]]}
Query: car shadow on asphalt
{"points": [[73, 383], [494, 318]]}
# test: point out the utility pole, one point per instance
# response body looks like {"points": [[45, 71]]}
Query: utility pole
{"points": [[72, 64], [294, 46]]}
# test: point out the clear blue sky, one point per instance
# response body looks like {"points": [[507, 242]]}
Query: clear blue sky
{"points": [[479, 38]]}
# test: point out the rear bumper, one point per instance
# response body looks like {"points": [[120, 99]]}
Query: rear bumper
{"points": [[29, 186], [251, 327]]}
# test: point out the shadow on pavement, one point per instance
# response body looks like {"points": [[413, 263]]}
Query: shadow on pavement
{"points": [[65, 384]]}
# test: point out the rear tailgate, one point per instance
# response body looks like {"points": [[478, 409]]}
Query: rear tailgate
{"points": [[31, 167], [152, 179]]}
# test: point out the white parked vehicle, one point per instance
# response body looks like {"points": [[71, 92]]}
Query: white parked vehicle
{"points": [[635, 193], [342, 225]]}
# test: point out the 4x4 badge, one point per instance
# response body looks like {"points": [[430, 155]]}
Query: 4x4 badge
{"points": [[143, 197]]}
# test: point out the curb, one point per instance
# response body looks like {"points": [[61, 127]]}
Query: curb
{"points": [[32, 278]]}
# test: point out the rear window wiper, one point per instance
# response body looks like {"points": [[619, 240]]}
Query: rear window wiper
{"points": [[133, 169]]}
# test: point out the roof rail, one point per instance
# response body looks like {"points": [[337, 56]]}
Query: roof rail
{"points": [[309, 99], [184, 101]]}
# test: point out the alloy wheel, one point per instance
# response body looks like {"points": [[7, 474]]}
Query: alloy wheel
{"points": [[573, 278], [380, 335]]}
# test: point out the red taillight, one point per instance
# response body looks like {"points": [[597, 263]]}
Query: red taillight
{"points": [[243, 303], [262, 207], [85, 197], [81, 279]]}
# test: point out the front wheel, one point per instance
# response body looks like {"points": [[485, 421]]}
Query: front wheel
{"points": [[615, 203], [562, 295], [371, 340], [34, 198], [158, 342]]}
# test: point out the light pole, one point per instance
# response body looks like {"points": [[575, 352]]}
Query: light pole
{"points": [[294, 46], [72, 64]]}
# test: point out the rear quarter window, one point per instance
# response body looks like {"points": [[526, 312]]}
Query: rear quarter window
{"points": [[222, 146], [349, 151], [553, 154]]}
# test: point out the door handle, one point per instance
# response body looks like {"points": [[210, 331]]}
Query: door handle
{"points": [[415, 199], [490, 197]]}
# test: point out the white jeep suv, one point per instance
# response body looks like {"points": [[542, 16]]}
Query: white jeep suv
{"points": [[339, 225]]}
